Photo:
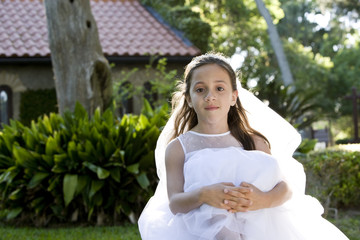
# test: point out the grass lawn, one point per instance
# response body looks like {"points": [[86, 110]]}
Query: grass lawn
{"points": [[348, 223], [126, 232]]}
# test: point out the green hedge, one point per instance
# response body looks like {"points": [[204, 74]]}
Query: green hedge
{"points": [[73, 168], [334, 177], [35, 103]]}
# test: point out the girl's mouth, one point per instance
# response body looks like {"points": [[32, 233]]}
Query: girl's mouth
{"points": [[211, 108]]}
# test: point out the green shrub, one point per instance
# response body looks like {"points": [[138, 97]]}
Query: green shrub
{"points": [[75, 168], [35, 103], [306, 146], [334, 177]]}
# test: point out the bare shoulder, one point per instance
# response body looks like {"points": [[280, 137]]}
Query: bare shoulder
{"points": [[261, 144], [174, 151]]}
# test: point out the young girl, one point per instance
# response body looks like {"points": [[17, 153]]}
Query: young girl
{"points": [[221, 181]]}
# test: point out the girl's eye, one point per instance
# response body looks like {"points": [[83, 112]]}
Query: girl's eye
{"points": [[220, 89], [199, 90]]}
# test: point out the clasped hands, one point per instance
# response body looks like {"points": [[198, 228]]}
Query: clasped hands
{"points": [[243, 198]]}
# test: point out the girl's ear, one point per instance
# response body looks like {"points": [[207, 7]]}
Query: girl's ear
{"points": [[188, 100], [234, 97]]}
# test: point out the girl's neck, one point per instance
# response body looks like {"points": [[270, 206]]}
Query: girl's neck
{"points": [[210, 129]]}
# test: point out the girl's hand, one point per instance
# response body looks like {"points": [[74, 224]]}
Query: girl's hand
{"points": [[216, 195], [245, 198], [258, 198]]}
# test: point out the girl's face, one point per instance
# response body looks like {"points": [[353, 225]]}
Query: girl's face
{"points": [[211, 96]]}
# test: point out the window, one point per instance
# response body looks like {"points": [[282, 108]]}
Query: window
{"points": [[150, 93], [126, 101], [5, 104]]}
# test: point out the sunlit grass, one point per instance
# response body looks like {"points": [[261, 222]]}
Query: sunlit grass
{"points": [[347, 147]]}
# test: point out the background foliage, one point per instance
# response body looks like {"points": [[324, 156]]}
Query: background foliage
{"points": [[334, 177], [323, 54]]}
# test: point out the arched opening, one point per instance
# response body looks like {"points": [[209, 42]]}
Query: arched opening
{"points": [[5, 104], [150, 93], [126, 101]]}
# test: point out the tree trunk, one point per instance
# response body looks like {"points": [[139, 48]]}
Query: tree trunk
{"points": [[81, 71], [276, 44]]}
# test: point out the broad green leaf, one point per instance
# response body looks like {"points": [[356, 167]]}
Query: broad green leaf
{"points": [[72, 151], [95, 135], [118, 155], [24, 158], [13, 213], [53, 183], [36, 201], [60, 163], [29, 138], [143, 180], [95, 186], [108, 118], [147, 108], [143, 121], [152, 134], [69, 187], [83, 180], [9, 174], [89, 148], [90, 166], [97, 115], [49, 160], [17, 194], [5, 161], [80, 112], [9, 140], [51, 146], [91, 210], [102, 173], [134, 168], [47, 124], [37, 178], [109, 147], [115, 174]]}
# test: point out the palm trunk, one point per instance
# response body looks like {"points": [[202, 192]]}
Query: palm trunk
{"points": [[276, 44]]}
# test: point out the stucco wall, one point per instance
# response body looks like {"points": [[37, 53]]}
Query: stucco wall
{"points": [[22, 77], [141, 76]]}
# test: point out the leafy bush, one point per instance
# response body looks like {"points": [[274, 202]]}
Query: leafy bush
{"points": [[79, 169], [334, 177]]}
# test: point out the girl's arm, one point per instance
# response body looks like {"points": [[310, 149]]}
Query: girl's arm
{"points": [[183, 202]]}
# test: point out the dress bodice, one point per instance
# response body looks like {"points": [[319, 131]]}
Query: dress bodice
{"points": [[214, 158]]}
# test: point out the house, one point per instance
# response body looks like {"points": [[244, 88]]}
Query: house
{"points": [[129, 32]]}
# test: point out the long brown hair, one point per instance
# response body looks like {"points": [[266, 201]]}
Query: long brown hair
{"points": [[186, 118]]}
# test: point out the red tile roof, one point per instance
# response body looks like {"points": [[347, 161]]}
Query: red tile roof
{"points": [[126, 28]]}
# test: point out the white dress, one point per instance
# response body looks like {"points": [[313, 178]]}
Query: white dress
{"points": [[218, 158]]}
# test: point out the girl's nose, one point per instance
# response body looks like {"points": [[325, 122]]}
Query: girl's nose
{"points": [[209, 96]]}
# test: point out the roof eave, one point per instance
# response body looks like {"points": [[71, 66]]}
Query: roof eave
{"points": [[115, 59]]}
